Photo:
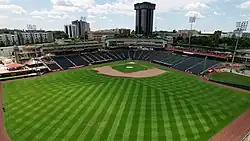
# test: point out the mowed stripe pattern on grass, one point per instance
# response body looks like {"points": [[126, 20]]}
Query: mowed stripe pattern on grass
{"points": [[83, 105]]}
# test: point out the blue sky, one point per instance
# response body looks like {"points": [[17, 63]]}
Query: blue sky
{"points": [[102, 14]]}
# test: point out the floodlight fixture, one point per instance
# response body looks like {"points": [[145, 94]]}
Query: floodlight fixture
{"points": [[240, 27], [192, 19]]}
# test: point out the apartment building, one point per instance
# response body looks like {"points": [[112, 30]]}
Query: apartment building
{"points": [[82, 27], [36, 37], [99, 34], [8, 40], [71, 30], [25, 37]]}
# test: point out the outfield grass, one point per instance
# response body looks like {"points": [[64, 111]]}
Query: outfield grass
{"points": [[231, 78], [81, 105], [127, 68]]}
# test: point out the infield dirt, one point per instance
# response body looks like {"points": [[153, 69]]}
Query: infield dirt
{"points": [[107, 70]]}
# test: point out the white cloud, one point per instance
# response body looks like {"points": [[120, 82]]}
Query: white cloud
{"points": [[196, 6], [66, 8], [219, 14], [70, 5], [6, 7], [103, 17], [12, 8], [76, 3], [39, 12], [92, 21], [126, 6], [118, 8], [245, 5], [91, 16], [194, 14], [243, 15], [38, 17], [159, 18], [49, 14], [3, 1], [3, 17], [58, 16]]}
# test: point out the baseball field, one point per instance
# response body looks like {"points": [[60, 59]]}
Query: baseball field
{"points": [[83, 105]]}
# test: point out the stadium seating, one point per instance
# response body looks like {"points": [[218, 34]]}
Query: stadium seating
{"points": [[131, 54], [119, 55], [138, 54], [112, 55], [104, 56], [94, 57], [151, 55], [143, 55], [160, 56], [53, 67], [63, 62], [50, 63], [185, 63], [77, 60], [87, 58], [199, 68]]}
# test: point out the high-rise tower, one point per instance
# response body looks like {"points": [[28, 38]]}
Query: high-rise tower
{"points": [[144, 18]]}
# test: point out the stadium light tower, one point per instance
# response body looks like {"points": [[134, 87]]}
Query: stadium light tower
{"points": [[240, 27], [191, 21]]}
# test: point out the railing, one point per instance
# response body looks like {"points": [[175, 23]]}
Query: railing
{"points": [[246, 137]]}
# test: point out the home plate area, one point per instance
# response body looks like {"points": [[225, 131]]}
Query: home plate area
{"points": [[129, 67]]}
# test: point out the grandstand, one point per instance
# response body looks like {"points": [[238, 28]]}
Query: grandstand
{"points": [[195, 65]]}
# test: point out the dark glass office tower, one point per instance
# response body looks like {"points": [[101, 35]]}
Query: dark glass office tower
{"points": [[144, 18]]}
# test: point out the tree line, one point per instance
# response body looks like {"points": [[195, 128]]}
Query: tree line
{"points": [[215, 41]]}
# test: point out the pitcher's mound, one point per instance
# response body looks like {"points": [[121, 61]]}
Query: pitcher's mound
{"points": [[131, 63], [107, 70]]}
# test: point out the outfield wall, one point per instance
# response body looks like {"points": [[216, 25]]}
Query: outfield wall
{"points": [[244, 87]]}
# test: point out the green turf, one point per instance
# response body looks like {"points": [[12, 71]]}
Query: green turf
{"points": [[134, 67], [231, 78], [81, 105]]}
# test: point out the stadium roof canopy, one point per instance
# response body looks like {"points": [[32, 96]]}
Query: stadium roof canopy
{"points": [[32, 62], [14, 66]]}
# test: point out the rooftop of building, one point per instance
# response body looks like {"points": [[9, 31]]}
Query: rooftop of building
{"points": [[138, 38], [144, 5], [243, 50], [147, 3]]}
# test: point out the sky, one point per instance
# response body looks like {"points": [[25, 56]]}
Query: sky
{"points": [[105, 14]]}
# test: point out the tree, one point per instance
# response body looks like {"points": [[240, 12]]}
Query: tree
{"points": [[27, 41], [174, 31], [36, 40], [132, 32], [41, 38], [60, 35], [7, 42], [84, 37], [2, 44], [14, 42], [32, 38], [233, 36], [46, 40]]}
